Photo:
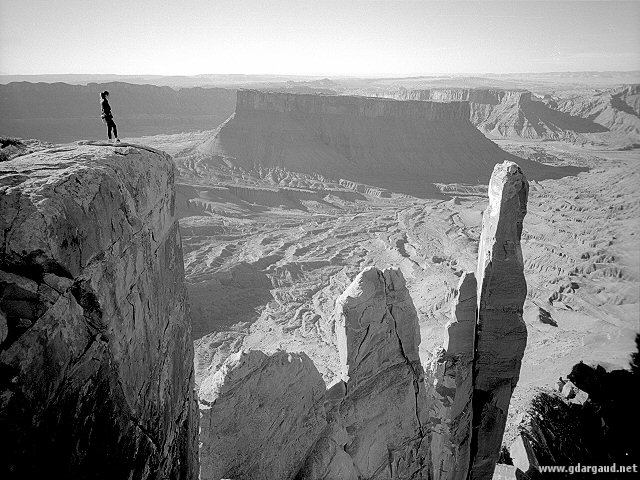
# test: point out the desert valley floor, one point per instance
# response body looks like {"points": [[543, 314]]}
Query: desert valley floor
{"points": [[265, 262]]}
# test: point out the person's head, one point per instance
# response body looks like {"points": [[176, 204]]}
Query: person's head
{"points": [[104, 94]]}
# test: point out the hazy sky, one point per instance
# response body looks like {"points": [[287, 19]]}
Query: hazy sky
{"points": [[317, 37]]}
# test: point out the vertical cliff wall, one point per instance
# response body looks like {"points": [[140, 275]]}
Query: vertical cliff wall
{"points": [[96, 360]]}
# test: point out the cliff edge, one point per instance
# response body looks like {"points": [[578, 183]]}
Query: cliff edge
{"points": [[96, 360]]}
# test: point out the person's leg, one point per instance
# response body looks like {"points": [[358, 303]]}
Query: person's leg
{"points": [[115, 130], [109, 128]]}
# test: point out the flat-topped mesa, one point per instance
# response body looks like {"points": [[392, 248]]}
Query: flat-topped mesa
{"points": [[378, 338], [250, 101], [96, 359], [398, 146], [501, 333], [260, 415], [452, 392]]}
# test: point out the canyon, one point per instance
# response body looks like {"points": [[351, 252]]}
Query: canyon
{"points": [[592, 119], [336, 261]]}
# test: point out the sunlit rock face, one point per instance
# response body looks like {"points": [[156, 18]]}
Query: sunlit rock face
{"points": [[501, 333], [260, 415], [377, 411], [96, 359]]}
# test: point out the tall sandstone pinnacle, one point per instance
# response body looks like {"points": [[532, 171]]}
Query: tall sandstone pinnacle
{"points": [[478, 367], [501, 334], [377, 411], [96, 358]]}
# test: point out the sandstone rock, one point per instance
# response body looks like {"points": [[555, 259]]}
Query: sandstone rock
{"points": [[378, 429], [450, 412], [501, 331], [506, 472], [96, 364], [522, 454], [260, 415], [569, 390], [580, 397]]}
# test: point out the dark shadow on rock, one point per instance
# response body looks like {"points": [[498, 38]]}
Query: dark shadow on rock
{"points": [[562, 120], [602, 431]]}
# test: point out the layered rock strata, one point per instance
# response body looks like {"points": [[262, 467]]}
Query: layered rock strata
{"points": [[509, 113], [377, 411], [452, 393], [96, 359], [501, 333]]}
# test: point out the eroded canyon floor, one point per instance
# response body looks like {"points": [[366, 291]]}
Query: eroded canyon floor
{"points": [[266, 255]]}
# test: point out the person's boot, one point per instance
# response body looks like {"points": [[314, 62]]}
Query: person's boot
{"points": [[117, 140]]}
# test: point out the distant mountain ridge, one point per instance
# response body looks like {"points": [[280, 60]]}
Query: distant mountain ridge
{"points": [[601, 119], [59, 112]]}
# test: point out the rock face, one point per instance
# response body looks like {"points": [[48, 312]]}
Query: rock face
{"points": [[510, 113], [618, 110], [96, 359], [260, 415], [377, 412], [453, 388], [501, 334]]}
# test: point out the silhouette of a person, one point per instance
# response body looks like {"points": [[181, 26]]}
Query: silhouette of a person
{"points": [[107, 116]]}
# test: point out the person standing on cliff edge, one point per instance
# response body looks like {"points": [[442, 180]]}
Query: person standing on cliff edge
{"points": [[107, 116]]}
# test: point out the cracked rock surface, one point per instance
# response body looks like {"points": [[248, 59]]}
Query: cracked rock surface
{"points": [[96, 360], [377, 411], [259, 416], [501, 333]]}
